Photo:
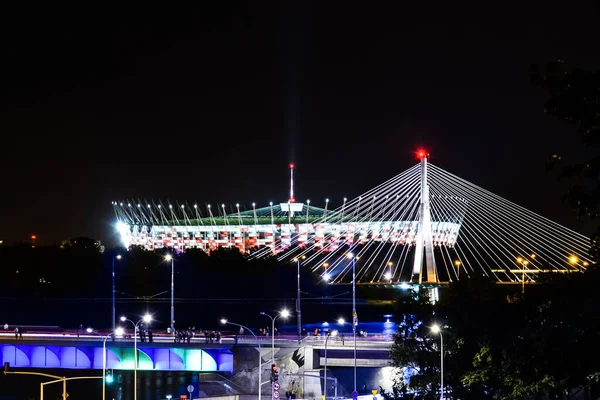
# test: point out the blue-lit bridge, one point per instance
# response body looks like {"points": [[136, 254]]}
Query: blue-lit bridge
{"points": [[234, 357]]}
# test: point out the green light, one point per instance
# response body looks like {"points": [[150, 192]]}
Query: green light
{"points": [[109, 378]]}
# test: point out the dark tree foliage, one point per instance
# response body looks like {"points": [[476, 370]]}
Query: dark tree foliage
{"points": [[499, 344], [574, 98]]}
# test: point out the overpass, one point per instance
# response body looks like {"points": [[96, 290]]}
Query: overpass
{"points": [[233, 359]]}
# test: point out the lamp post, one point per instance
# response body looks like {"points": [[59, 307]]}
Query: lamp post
{"points": [[388, 275], [147, 318], [283, 314], [90, 330], [354, 316], [298, 311], [224, 322], [457, 264], [437, 329], [114, 317], [169, 257], [524, 263], [325, 368]]}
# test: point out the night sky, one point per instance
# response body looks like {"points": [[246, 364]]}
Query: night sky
{"points": [[211, 104]]}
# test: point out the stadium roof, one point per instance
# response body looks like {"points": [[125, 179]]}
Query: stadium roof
{"points": [[275, 214]]}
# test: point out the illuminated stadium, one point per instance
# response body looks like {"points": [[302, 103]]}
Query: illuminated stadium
{"points": [[462, 230]]}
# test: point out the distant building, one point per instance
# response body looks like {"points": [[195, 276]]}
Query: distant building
{"points": [[83, 243]]}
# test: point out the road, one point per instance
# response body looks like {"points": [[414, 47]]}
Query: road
{"points": [[373, 341]]}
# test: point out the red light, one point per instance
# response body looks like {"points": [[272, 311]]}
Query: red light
{"points": [[422, 153], [33, 237], [291, 165]]}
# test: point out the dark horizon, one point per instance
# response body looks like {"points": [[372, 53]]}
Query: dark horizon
{"points": [[211, 104]]}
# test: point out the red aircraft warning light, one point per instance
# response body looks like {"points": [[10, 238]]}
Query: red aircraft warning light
{"points": [[421, 154]]}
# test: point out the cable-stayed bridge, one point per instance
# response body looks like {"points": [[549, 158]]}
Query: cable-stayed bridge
{"points": [[425, 226]]}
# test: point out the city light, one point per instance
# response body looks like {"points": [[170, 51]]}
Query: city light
{"points": [[573, 260], [341, 321], [284, 313], [388, 276], [168, 257], [436, 328], [119, 331], [89, 330], [147, 318], [123, 318], [223, 321], [326, 277]]}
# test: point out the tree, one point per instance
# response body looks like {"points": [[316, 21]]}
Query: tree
{"points": [[574, 98]]}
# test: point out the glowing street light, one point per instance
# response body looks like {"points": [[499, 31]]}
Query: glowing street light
{"points": [[573, 260], [283, 314], [354, 316], [146, 319], [438, 330], [224, 321], [105, 378], [168, 258]]}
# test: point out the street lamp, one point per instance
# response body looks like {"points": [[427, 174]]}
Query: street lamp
{"points": [[114, 317], [90, 330], [224, 322], [147, 319], [457, 264], [169, 257], [437, 329], [524, 263], [298, 312], [283, 314], [354, 315], [340, 321]]}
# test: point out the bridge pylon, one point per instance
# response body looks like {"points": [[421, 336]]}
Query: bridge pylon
{"points": [[424, 239]]}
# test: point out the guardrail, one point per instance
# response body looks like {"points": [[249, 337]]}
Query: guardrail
{"points": [[265, 341]]}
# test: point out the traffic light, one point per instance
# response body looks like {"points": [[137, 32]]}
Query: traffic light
{"points": [[274, 373], [109, 376]]}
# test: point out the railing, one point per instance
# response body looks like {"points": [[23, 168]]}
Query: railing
{"points": [[265, 341], [222, 380]]}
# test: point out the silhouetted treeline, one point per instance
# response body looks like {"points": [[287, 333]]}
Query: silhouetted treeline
{"points": [[78, 270]]}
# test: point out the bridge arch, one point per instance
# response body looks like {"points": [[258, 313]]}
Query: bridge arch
{"points": [[45, 357], [15, 356], [74, 357]]}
